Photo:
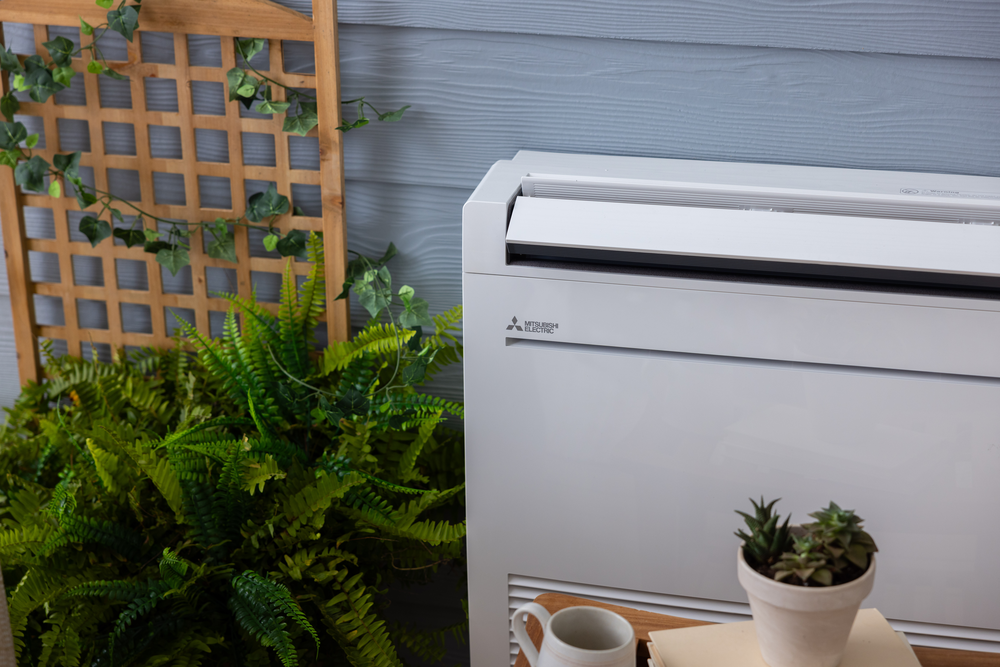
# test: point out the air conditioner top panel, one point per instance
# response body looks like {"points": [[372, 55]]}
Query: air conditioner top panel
{"points": [[909, 185]]}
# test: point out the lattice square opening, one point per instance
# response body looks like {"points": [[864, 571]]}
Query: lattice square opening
{"points": [[158, 47], [267, 286], [73, 226], [179, 283], [208, 98], [119, 138], [161, 94], [131, 274], [215, 192], [39, 223], [136, 318], [171, 314], [44, 267], [309, 198], [49, 310], [88, 271], [169, 189], [124, 183], [258, 149], [299, 57], [204, 50], [216, 323], [75, 95], [74, 134], [114, 94], [257, 249], [102, 350], [91, 314], [211, 145], [303, 152], [165, 142], [114, 47], [221, 280]]}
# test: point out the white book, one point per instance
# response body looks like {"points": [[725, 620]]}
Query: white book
{"points": [[872, 643]]}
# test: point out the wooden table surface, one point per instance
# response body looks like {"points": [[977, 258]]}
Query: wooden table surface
{"points": [[645, 622]]}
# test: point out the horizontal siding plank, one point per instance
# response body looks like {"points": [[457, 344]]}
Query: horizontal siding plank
{"points": [[481, 97], [9, 379], [968, 28], [965, 28]]}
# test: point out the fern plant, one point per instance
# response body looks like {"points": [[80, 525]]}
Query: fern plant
{"points": [[245, 505]]}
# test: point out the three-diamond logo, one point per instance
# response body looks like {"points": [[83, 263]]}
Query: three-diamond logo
{"points": [[514, 325]]}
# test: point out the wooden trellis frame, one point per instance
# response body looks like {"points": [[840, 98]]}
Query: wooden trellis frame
{"points": [[227, 19]]}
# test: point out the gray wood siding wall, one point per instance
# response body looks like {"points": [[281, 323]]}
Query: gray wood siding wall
{"points": [[908, 85]]}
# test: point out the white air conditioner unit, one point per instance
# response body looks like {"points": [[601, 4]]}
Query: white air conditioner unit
{"points": [[651, 342]]}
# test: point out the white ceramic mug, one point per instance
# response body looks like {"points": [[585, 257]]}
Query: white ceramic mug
{"points": [[577, 637]]}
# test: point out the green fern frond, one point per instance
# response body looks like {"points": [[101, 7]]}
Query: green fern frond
{"points": [[294, 346], [424, 403], [109, 469], [409, 458], [315, 498], [119, 590], [361, 634], [160, 472], [257, 473], [14, 542], [445, 326], [431, 532], [380, 339], [35, 589], [370, 506], [262, 607], [218, 422], [313, 297]]}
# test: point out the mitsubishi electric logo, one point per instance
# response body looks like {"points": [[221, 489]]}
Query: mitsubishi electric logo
{"points": [[533, 327]]}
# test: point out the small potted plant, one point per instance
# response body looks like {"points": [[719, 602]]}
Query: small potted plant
{"points": [[805, 583]]}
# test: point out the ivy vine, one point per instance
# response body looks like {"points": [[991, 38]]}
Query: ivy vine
{"points": [[41, 80]]}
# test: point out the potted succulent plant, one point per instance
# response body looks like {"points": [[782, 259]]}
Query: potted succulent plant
{"points": [[805, 583]]}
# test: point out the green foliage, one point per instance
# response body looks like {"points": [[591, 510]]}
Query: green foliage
{"points": [[767, 540], [832, 550], [244, 503]]}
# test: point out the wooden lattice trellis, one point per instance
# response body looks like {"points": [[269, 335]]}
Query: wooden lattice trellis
{"points": [[227, 19]]}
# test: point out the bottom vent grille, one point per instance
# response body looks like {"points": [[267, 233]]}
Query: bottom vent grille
{"points": [[522, 589]]}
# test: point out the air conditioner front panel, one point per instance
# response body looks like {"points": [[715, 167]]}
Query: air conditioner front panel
{"points": [[596, 457], [761, 241]]}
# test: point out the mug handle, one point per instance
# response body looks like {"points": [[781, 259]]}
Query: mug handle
{"points": [[521, 634]]}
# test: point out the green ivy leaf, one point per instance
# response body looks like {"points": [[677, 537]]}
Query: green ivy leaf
{"points": [[124, 21], [83, 198], [95, 67], [31, 140], [294, 244], [12, 134], [10, 158], [415, 314], [64, 75], [249, 47], [85, 27], [223, 247], [417, 370], [60, 50], [270, 242], [68, 164], [31, 174], [54, 189], [38, 77], [151, 234], [106, 4], [266, 204], [19, 84], [154, 247], [95, 230], [242, 87], [174, 259], [9, 105], [393, 116], [9, 62], [406, 295], [272, 106], [111, 74], [131, 237], [304, 121]]}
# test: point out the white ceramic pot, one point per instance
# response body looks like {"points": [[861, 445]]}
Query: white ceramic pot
{"points": [[800, 626]]}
